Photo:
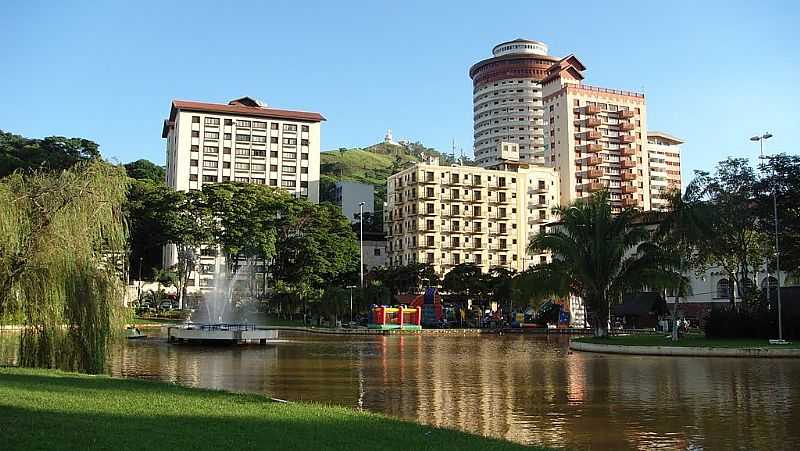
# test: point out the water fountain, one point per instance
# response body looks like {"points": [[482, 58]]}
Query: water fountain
{"points": [[216, 323]]}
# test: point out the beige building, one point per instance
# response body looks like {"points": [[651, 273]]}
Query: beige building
{"points": [[664, 154], [507, 101], [242, 141], [596, 138], [448, 215]]}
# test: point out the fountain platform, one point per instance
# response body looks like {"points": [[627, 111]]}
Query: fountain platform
{"points": [[220, 333]]}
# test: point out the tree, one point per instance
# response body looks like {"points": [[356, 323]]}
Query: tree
{"points": [[61, 237], [145, 170], [465, 280], [409, 278], [735, 243], [596, 256], [153, 211], [54, 153], [781, 173]]}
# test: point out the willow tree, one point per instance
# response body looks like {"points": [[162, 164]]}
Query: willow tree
{"points": [[62, 235]]}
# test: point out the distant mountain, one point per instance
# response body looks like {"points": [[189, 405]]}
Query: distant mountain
{"points": [[372, 165]]}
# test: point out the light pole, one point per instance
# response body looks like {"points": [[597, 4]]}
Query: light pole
{"points": [[361, 238], [761, 140], [351, 302], [139, 290]]}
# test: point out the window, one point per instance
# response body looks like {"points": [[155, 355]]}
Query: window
{"points": [[289, 169], [303, 184], [304, 156], [261, 125], [240, 151], [226, 136], [304, 170], [258, 167], [289, 127], [273, 140], [259, 139], [195, 119], [193, 177], [290, 155], [273, 167], [241, 137], [259, 153], [289, 141], [210, 164], [723, 289], [228, 121], [258, 181], [273, 182], [211, 135], [273, 153], [288, 183], [377, 250], [304, 128], [193, 163], [242, 179], [304, 142], [225, 178], [274, 126], [212, 121], [210, 149], [241, 123], [226, 165], [208, 252], [226, 150], [195, 134], [209, 178], [195, 148], [242, 166]]}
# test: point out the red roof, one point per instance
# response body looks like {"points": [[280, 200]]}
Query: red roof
{"points": [[272, 113]]}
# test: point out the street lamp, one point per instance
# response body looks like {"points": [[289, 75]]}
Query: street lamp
{"points": [[351, 301], [761, 140], [139, 290], [361, 238]]}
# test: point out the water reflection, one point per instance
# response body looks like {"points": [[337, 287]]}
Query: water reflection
{"points": [[521, 388]]}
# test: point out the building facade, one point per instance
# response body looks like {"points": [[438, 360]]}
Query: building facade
{"points": [[664, 154], [596, 138], [448, 215], [242, 141], [349, 196], [507, 101]]}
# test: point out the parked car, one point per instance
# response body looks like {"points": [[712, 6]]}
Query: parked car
{"points": [[167, 304]]}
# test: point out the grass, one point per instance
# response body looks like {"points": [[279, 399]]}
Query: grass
{"points": [[46, 410], [687, 341]]}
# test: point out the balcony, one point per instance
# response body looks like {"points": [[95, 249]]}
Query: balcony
{"points": [[473, 231], [588, 135], [627, 139], [628, 176], [630, 203], [590, 148], [537, 190], [591, 161], [536, 204], [428, 213], [625, 114], [627, 151], [628, 164], [497, 200], [537, 219], [428, 180], [588, 109], [591, 186], [592, 174], [628, 189], [625, 126], [589, 122], [498, 186], [451, 181]]}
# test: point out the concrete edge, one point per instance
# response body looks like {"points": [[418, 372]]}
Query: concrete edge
{"points": [[684, 351]]}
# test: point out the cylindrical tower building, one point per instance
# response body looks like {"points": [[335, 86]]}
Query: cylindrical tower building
{"points": [[507, 101]]}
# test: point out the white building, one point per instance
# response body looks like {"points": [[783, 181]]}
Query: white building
{"points": [[242, 141], [349, 196], [664, 152]]}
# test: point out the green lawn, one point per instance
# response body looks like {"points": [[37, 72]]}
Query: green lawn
{"points": [[689, 341], [47, 410]]}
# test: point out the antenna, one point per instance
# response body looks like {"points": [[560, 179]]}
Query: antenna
{"points": [[461, 159]]}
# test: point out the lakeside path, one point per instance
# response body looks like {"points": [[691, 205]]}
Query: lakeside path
{"points": [[687, 347], [47, 409]]}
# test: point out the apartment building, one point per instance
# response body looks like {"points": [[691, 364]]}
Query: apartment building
{"points": [[448, 215], [507, 101], [595, 138], [664, 154], [242, 141], [349, 195]]}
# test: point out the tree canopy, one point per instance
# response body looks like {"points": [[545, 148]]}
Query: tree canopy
{"points": [[53, 153], [145, 170]]}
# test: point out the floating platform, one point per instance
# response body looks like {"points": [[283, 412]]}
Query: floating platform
{"points": [[220, 334]]}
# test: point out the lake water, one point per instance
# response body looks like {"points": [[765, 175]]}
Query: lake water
{"points": [[528, 389]]}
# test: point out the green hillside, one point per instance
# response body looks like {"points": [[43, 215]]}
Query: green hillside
{"points": [[372, 165]]}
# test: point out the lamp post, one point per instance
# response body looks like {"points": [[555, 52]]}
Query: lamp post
{"points": [[361, 238], [139, 290], [761, 140], [351, 301]]}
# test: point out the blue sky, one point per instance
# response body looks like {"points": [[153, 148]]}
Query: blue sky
{"points": [[714, 73]]}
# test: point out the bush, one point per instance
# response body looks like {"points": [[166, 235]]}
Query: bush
{"points": [[751, 322]]}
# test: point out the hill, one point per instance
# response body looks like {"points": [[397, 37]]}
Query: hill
{"points": [[372, 165]]}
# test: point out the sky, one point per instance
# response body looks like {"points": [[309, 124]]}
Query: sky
{"points": [[714, 73]]}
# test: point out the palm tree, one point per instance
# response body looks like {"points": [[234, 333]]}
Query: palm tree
{"points": [[597, 256]]}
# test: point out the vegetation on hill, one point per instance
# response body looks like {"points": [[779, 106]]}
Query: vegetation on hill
{"points": [[372, 165]]}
